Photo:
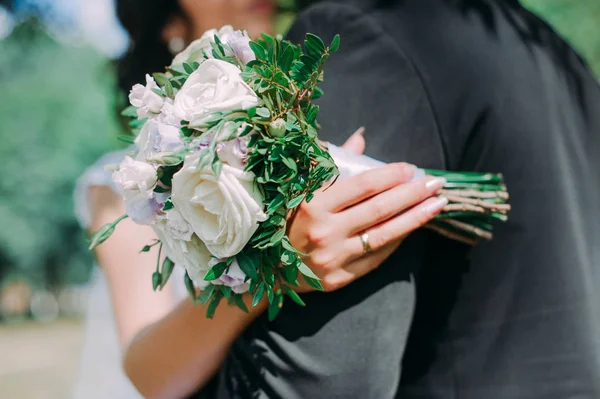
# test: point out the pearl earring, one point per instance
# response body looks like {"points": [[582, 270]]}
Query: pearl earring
{"points": [[176, 45]]}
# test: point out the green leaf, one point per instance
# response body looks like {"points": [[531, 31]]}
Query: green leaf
{"points": [[263, 112], [168, 205], [277, 202], [189, 285], [126, 138], [316, 284], [275, 306], [216, 271], [294, 296], [295, 201], [290, 274], [146, 248], [315, 41], [259, 51], [160, 78], [278, 236], [239, 302], [249, 263], [289, 162], [212, 308], [317, 93], [130, 111], [335, 44], [160, 92], [156, 280], [286, 59], [188, 68], [251, 112], [217, 166], [307, 272], [287, 245], [258, 295], [169, 89], [288, 258], [166, 271], [324, 162]]}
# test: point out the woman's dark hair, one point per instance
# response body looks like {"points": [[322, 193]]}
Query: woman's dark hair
{"points": [[144, 20]]}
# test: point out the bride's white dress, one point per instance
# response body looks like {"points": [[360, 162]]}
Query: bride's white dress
{"points": [[100, 375]]}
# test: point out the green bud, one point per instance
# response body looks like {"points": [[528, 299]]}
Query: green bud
{"points": [[277, 128], [156, 280], [101, 235]]}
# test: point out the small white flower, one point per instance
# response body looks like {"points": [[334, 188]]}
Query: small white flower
{"points": [[136, 181], [198, 48], [156, 137], [190, 254], [147, 102], [225, 212], [235, 152], [216, 86], [235, 278], [240, 44], [135, 176]]}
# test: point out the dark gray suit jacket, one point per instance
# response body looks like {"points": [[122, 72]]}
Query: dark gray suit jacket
{"points": [[461, 85]]}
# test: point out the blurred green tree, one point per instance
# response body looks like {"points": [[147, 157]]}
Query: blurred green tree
{"points": [[577, 21], [57, 113]]}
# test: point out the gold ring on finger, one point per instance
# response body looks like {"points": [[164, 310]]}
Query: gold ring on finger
{"points": [[364, 238]]}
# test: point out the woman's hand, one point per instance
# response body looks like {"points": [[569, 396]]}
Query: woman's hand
{"points": [[384, 203]]}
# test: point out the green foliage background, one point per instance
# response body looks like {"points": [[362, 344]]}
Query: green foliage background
{"points": [[576, 20], [57, 116]]}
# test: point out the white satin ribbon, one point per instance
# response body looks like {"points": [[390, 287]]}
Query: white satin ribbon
{"points": [[350, 164]]}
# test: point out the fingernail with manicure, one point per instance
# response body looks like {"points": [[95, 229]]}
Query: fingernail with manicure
{"points": [[436, 184], [436, 205]]}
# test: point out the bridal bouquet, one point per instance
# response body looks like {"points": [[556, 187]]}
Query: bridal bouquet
{"points": [[227, 147]]}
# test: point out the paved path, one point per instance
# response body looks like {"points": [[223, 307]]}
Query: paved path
{"points": [[39, 361]]}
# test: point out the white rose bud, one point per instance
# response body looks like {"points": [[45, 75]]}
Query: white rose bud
{"points": [[225, 212], [216, 86], [147, 102], [277, 128]]}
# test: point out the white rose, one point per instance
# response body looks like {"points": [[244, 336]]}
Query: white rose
{"points": [[196, 50], [191, 255], [239, 41], [176, 225], [156, 137], [135, 176], [136, 181], [147, 102], [223, 212], [235, 278], [216, 86]]}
